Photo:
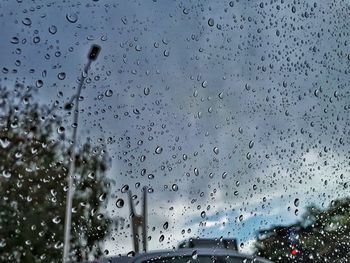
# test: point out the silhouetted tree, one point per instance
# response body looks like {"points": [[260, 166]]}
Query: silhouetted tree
{"points": [[34, 160], [322, 235]]}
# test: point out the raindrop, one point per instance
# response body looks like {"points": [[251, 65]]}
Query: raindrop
{"points": [[165, 225], [194, 254], [58, 245], [204, 84], [251, 144], [4, 143], [109, 93], [240, 218], [26, 21], [296, 202], [203, 214], [61, 75], [14, 40], [216, 150], [102, 197], [158, 150], [120, 203], [175, 187], [56, 220], [72, 17], [146, 91], [6, 174], [249, 156], [161, 238], [53, 29], [211, 22], [125, 188], [166, 53], [39, 83], [60, 130], [138, 48], [196, 172], [36, 40]]}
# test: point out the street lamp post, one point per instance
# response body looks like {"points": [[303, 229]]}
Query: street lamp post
{"points": [[94, 51]]}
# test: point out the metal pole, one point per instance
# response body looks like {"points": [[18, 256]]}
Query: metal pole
{"points": [[137, 222], [67, 224]]}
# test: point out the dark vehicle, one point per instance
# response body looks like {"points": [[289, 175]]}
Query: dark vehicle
{"points": [[195, 250]]}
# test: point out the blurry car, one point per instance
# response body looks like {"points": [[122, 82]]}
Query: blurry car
{"points": [[194, 250]]}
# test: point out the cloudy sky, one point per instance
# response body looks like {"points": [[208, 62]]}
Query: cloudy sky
{"points": [[232, 108]]}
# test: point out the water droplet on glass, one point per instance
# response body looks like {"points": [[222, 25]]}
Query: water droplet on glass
{"points": [[296, 202], [36, 40], [109, 93], [249, 156], [196, 172], [14, 40], [26, 21], [125, 188], [175, 187], [211, 22], [53, 29], [6, 174], [158, 150], [203, 214], [102, 197], [224, 175], [4, 143], [165, 225], [216, 150], [60, 130], [61, 75], [146, 91], [56, 220], [119, 203], [161, 238], [194, 254], [39, 83], [251, 144], [138, 48], [72, 17]]}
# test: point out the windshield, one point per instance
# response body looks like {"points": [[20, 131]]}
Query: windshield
{"points": [[203, 259], [133, 126]]}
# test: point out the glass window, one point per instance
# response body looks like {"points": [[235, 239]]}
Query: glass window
{"points": [[135, 126]]}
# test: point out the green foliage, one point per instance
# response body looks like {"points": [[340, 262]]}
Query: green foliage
{"points": [[323, 235], [34, 161]]}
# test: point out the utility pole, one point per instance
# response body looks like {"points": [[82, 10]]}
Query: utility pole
{"points": [[139, 222], [94, 51]]}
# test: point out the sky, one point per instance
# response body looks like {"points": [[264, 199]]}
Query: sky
{"points": [[232, 108]]}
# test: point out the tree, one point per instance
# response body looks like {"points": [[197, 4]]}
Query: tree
{"points": [[34, 160], [322, 234]]}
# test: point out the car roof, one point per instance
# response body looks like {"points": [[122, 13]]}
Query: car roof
{"points": [[181, 252]]}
